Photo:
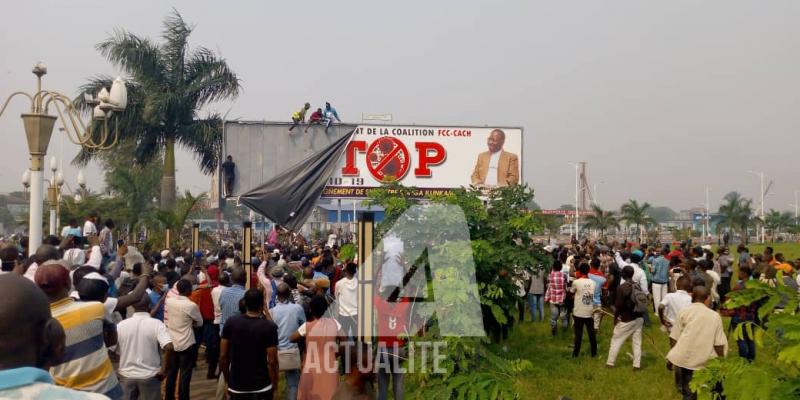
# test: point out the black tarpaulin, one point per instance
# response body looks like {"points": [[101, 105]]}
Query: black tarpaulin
{"points": [[289, 197]]}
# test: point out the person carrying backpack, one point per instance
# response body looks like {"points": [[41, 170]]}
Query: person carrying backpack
{"points": [[627, 321]]}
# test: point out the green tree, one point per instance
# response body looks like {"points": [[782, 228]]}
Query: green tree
{"points": [[552, 223], [601, 220], [777, 222], [500, 237], [736, 213], [176, 218], [634, 213], [171, 83]]}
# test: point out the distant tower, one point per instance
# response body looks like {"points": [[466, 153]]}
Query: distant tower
{"points": [[586, 198]]}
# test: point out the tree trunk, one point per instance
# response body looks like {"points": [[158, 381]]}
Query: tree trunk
{"points": [[168, 176]]}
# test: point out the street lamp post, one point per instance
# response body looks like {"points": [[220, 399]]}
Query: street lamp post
{"points": [[761, 232], [39, 124]]}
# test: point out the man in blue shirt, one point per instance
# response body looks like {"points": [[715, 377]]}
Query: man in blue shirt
{"points": [[288, 316], [660, 277], [330, 115], [230, 296]]}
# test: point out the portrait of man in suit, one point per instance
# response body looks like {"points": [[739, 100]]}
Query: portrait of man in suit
{"points": [[496, 167]]}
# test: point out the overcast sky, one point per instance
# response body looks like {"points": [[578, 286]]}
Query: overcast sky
{"points": [[660, 98]]}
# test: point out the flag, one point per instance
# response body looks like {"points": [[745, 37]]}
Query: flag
{"points": [[289, 197]]}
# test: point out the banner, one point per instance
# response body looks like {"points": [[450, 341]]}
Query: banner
{"points": [[433, 159]]}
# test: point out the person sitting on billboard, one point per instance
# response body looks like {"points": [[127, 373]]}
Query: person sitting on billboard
{"points": [[330, 115], [298, 117], [496, 167], [315, 119], [229, 174]]}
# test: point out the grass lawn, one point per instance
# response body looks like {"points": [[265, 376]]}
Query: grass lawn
{"points": [[790, 250], [557, 374]]}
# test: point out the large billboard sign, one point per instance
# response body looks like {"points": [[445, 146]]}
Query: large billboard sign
{"points": [[434, 159]]}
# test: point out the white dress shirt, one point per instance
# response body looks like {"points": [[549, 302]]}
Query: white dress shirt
{"points": [[491, 172], [638, 274], [138, 340], [183, 316]]}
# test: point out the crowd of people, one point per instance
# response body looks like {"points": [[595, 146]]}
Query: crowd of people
{"points": [[683, 286], [108, 321], [126, 324]]}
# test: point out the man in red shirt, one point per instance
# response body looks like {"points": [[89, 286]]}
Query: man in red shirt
{"points": [[315, 119], [209, 333], [393, 317]]}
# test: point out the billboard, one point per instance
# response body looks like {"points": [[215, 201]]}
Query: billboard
{"points": [[261, 150], [435, 159]]}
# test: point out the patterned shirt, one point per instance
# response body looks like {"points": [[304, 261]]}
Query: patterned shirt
{"points": [[34, 383], [555, 288], [85, 365]]}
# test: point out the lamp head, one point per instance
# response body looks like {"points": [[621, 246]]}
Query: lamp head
{"points": [[39, 69], [59, 179], [119, 94], [53, 164], [26, 178], [81, 179]]}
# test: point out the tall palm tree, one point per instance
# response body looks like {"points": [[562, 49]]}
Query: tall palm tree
{"points": [[601, 220], [634, 213], [736, 213], [170, 84]]}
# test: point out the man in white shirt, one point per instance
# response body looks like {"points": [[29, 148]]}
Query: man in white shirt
{"points": [[347, 299], [673, 303], [141, 368], [583, 309], [89, 227], [181, 315], [698, 336]]}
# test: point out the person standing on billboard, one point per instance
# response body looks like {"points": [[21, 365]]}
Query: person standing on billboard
{"points": [[496, 167], [330, 115], [229, 173], [299, 116]]}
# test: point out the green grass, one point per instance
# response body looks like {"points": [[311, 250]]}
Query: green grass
{"points": [[790, 250], [555, 373]]}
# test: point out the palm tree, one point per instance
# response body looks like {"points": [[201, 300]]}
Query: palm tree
{"points": [[634, 213], [175, 218], [552, 223], [736, 213], [776, 221], [601, 220], [170, 84]]}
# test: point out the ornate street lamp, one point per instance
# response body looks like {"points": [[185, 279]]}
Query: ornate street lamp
{"points": [[39, 127]]}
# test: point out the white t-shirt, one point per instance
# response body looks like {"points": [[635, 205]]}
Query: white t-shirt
{"points": [[215, 292], [89, 228], [347, 296], [491, 172], [584, 297], [675, 302], [139, 338]]}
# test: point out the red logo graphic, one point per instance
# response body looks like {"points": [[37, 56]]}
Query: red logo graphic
{"points": [[387, 159]]}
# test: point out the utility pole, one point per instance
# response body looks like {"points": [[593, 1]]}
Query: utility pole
{"points": [[706, 219], [577, 195]]}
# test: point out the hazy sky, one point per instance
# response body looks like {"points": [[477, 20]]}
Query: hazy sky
{"points": [[660, 98]]}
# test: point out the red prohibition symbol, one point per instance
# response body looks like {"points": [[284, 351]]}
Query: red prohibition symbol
{"points": [[387, 159]]}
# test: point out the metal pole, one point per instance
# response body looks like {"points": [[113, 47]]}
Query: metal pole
{"points": [[763, 229], [577, 194], [706, 226], [339, 212], [366, 239], [247, 238], [795, 206], [36, 205]]}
